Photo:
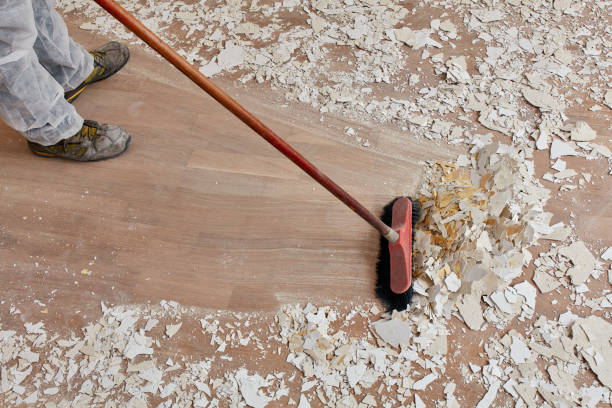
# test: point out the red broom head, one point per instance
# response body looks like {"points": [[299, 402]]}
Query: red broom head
{"points": [[400, 252]]}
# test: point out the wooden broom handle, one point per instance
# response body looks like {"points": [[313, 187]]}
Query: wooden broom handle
{"points": [[230, 104]]}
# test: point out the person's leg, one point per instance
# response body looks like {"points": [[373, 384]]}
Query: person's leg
{"points": [[31, 100], [67, 62]]}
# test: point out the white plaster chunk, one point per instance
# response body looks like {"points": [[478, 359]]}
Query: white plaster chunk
{"points": [[172, 329], [210, 69], [151, 323], [526, 45], [249, 29], [489, 396], [483, 242], [424, 382], [583, 261], [457, 70], [501, 302], [369, 400], [418, 402], [471, 312], [29, 356], [542, 143], [355, 373], [317, 23], [519, 352], [394, 331], [418, 120], [562, 5], [545, 282], [415, 39], [249, 386], [559, 149], [559, 232], [88, 26], [567, 319], [36, 328], [594, 334], [608, 99], [540, 99], [582, 132], [303, 402], [488, 15], [136, 346], [453, 283], [559, 165], [448, 26], [528, 291], [230, 57], [602, 150], [567, 173]]}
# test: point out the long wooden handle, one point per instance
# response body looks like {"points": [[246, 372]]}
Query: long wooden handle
{"points": [[230, 104]]}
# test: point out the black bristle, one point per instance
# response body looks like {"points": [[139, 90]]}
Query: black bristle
{"points": [[391, 300]]}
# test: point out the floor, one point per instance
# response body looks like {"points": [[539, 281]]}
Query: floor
{"points": [[202, 211]]}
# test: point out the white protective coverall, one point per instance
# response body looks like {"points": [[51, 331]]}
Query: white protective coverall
{"points": [[38, 62]]}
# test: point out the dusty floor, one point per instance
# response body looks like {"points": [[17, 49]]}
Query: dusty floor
{"points": [[202, 212]]}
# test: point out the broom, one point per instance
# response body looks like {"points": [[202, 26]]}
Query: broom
{"points": [[394, 268]]}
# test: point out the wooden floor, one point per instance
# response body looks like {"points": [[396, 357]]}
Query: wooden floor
{"points": [[200, 209]]}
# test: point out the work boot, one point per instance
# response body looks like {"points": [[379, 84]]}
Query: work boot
{"points": [[94, 142], [108, 59]]}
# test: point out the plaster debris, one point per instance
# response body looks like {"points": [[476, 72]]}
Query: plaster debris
{"points": [[583, 261], [545, 282], [172, 329], [559, 165], [559, 232], [582, 132], [489, 397], [456, 248], [424, 382], [559, 149], [418, 402], [288, 47], [593, 335], [540, 99], [303, 402], [394, 331], [471, 312], [488, 15], [250, 388], [519, 352], [482, 214], [452, 282], [608, 99]]}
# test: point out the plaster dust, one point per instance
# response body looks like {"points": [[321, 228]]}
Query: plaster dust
{"points": [[485, 234]]}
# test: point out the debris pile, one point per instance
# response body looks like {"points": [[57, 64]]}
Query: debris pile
{"points": [[383, 61], [120, 360], [479, 216], [544, 364], [404, 354]]}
